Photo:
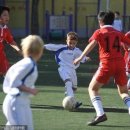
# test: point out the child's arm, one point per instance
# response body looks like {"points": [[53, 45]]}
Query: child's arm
{"points": [[15, 46], [10, 40], [23, 88], [53, 47], [125, 46], [88, 49], [85, 59]]}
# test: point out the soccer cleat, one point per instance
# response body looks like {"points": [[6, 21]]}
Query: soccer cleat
{"points": [[97, 120], [77, 105]]}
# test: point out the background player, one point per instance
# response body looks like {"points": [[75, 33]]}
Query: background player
{"points": [[127, 59], [19, 84], [65, 55], [5, 35], [117, 24], [112, 63]]}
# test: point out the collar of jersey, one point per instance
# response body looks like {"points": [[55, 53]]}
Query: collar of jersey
{"points": [[70, 49], [32, 60], [1, 26], [106, 26]]}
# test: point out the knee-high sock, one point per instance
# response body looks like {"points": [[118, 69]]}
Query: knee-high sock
{"points": [[69, 90], [127, 102], [97, 103]]}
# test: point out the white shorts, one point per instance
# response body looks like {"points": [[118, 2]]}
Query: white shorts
{"points": [[68, 73], [17, 111]]}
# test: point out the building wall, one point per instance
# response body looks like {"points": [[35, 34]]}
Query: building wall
{"points": [[84, 8], [17, 16]]}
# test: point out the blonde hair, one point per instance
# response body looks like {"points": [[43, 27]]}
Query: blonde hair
{"points": [[32, 45]]}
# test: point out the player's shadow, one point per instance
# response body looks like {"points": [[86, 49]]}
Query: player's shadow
{"points": [[37, 106], [114, 126], [87, 109], [106, 109], [51, 91]]}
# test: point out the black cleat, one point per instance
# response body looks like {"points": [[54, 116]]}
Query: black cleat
{"points": [[77, 105], [97, 120]]}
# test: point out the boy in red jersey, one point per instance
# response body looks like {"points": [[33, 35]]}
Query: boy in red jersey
{"points": [[112, 63], [127, 59], [5, 35]]}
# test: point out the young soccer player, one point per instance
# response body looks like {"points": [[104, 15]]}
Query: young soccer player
{"points": [[19, 83], [112, 63], [5, 35], [65, 55], [127, 60], [117, 24]]}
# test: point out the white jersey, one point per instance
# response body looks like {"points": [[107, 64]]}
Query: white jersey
{"points": [[64, 56], [117, 24], [23, 72]]}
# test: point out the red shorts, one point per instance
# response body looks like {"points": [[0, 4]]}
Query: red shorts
{"points": [[115, 69], [4, 64]]}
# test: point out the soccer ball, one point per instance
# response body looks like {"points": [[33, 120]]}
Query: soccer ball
{"points": [[68, 103]]}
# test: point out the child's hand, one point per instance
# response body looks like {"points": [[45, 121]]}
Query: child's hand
{"points": [[88, 59], [20, 52], [77, 61], [34, 91]]}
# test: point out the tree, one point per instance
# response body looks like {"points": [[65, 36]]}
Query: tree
{"points": [[34, 17]]}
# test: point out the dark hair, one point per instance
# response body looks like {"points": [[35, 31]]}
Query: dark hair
{"points": [[117, 12], [106, 17], [2, 8]]}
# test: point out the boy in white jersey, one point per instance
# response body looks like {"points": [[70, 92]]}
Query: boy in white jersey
{"points": [[65, 55], [19, 84]]}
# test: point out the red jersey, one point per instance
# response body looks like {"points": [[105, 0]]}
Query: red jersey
{"points": [[109, 41], [128, 34], [127, 54], [5, 35]]}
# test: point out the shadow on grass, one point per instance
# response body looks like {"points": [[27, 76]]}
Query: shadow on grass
{"points": [[87, 109], [52, 91], [112, 126], [35, 106]]}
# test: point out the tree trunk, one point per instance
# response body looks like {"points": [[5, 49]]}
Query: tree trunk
{"points": [[34, 17]]}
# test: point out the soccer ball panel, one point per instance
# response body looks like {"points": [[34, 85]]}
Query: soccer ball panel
{"points": [[68, 103]]}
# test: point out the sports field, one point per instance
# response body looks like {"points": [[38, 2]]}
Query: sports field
{"points": [[48, 113]]}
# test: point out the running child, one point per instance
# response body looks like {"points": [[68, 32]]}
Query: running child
{"points": [[127, 59], [112, 63], [19, 83], [5, 35]]}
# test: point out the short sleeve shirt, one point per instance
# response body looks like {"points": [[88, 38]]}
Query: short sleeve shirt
{"points": [[109, 41], [5, 35]]}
